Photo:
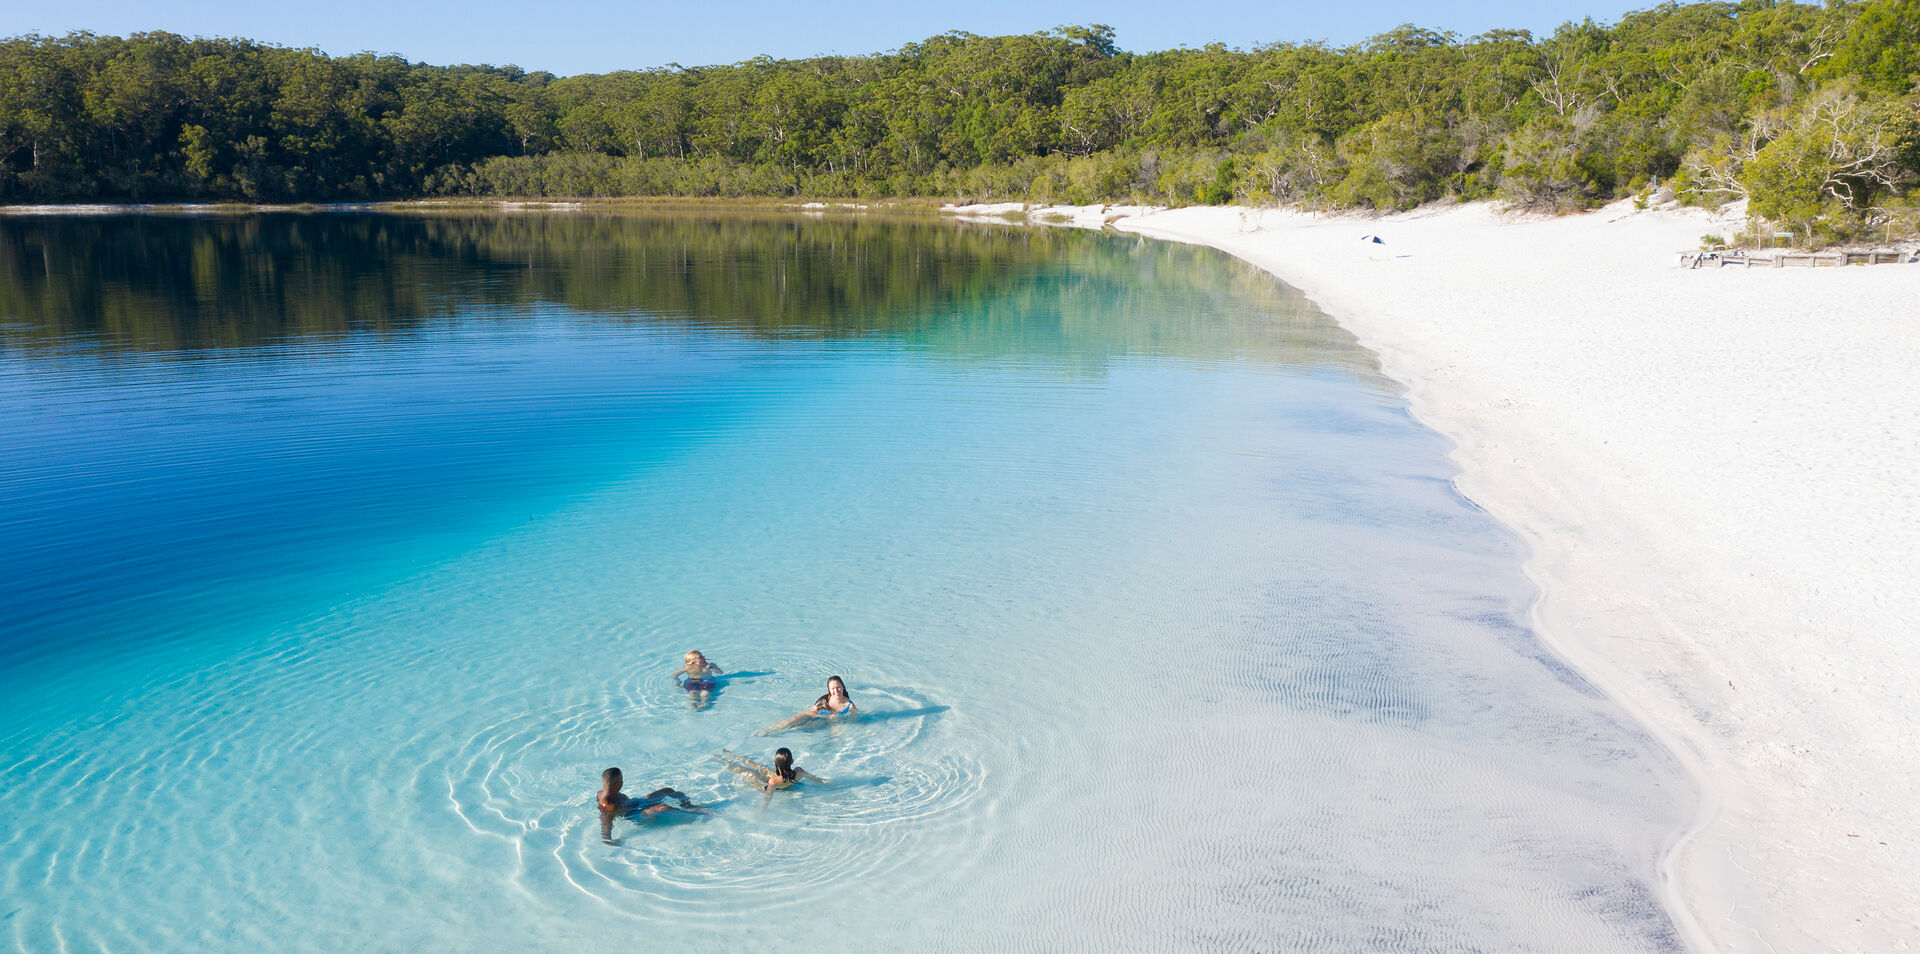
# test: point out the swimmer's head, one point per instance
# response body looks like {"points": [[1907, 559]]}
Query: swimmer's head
{"points": [[783, 763], [611, 780], [693, 654], [836, 695]]}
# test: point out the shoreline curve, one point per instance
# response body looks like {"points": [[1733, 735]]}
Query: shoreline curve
{"points": [[1693, 462]]}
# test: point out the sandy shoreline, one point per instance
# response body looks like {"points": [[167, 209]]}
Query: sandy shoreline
{"points": [[1719, 475]]}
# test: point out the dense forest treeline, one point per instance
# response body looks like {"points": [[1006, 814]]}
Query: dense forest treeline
{"points": [[1807, 111]]}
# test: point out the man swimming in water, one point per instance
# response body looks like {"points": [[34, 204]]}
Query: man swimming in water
{"points": [[612, 803]]}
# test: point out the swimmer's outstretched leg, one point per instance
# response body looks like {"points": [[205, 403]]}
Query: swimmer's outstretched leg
{"points": [[741, 764], [686, 804], [786, 724]]}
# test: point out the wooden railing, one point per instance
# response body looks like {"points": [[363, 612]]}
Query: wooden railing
{"points": [[1729, 259]]}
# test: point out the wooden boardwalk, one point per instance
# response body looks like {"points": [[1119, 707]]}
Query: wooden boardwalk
{"points": [[1736, 259]]}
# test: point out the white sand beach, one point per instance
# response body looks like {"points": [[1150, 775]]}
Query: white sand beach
{"points": [[1719, 474]]}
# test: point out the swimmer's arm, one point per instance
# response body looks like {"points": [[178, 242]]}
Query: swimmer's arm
{"points": [[677, 672], [809, 776], [606, 828], [768, 797]]}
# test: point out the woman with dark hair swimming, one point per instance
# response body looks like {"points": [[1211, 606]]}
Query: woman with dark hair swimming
{"points": [[835, 704], [783, 774]]}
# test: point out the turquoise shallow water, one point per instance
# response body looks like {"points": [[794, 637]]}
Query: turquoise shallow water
{"points": [[341, 552]]}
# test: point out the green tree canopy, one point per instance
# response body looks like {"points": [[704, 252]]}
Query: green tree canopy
{"points": [[1592, 111]]}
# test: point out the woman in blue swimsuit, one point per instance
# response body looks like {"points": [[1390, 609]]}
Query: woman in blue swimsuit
{"points": [[836, 704]]}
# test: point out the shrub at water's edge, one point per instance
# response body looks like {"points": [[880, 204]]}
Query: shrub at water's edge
{"points": [[1807, 112]]}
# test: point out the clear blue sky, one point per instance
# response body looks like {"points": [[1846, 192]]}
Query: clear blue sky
{"points": [[584, 36]]}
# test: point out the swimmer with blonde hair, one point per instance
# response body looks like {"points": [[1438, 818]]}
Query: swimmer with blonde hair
{"points": [[700, 681], [783, 774]]}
